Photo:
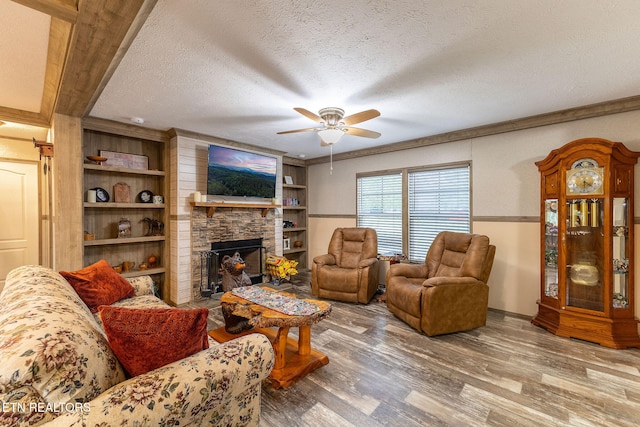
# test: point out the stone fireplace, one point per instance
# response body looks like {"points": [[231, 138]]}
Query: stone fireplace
{"points": [[227, 225]]}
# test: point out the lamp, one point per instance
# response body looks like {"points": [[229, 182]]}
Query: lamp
{"points": [[331, 136]]}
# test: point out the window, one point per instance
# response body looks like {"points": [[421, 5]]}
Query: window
{"points": [[379, 205], [439, 199], [434, 199]]}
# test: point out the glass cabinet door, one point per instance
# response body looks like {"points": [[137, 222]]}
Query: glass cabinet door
{"points": [[620, 253], [584, 254], [551, 248]]}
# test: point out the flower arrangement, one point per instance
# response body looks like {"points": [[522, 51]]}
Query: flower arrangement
{"points": [[281, 268]]}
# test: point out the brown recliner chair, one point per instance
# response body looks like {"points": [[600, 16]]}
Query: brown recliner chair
{"points": [[449, 292], [349, 272]]}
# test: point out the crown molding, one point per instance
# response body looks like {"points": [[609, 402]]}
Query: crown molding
{"points": [[562, 116]]}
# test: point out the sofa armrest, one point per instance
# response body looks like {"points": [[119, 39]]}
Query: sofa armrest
{"points": [[326, 259], [414, 271], [367, 262], [220, 386]]}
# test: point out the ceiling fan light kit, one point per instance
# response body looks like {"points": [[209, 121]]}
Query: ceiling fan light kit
{"points": [[330, 136]]}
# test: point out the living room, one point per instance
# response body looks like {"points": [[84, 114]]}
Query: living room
{"points": [[505, 194]]}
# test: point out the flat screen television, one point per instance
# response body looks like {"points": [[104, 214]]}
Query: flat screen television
{"points": [[232, 172]]}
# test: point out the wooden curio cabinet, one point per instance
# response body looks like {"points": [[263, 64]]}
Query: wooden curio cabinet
{"points": [[587, 261]]}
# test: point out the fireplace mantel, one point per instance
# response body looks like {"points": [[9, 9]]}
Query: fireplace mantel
{"points": [[212, 206]]}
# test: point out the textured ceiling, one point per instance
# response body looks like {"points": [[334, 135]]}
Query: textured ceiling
{"points": [[236, 69]]}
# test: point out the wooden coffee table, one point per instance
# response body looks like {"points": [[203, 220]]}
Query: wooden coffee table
{"points": [[293, 360]]}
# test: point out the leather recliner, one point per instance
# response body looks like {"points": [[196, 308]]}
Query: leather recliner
{"points": [[449, 292], [349, 271]]}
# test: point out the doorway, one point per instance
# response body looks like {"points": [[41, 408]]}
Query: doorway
{"points": [[19, 211]]}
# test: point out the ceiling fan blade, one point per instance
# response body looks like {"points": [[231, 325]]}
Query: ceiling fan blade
{"points": [[309, 114], [298, 130], [361, 132], [360, 117]]}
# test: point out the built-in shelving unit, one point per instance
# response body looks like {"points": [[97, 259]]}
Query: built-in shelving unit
{"points": [[294, 210], [101, 219]]}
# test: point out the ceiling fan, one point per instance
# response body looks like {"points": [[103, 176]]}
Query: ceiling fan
{"points": [[335, 125]]}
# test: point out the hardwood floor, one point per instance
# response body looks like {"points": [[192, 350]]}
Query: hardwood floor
{"points": [[381, 372]]}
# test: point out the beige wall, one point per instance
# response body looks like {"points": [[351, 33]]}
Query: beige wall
{"points": [[514, 284], [505, 195]]}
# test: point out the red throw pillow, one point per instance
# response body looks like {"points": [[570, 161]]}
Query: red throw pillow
{"points": [[144, 339], [98, 284]]}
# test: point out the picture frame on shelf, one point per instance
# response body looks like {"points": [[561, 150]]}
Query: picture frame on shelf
{"points": [[121, 193], [288, 180], [286, 244], [124, 228], [125, 160]]}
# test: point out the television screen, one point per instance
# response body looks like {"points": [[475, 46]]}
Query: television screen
{"points": [[234, 172]]}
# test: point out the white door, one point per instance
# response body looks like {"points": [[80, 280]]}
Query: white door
{"points": [[19, 229]]}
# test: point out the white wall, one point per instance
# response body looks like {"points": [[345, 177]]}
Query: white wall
{"points": [[505, 199]]}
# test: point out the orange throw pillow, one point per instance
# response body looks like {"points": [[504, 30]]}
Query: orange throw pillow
{"points": [[144, 339], [98, 284]]}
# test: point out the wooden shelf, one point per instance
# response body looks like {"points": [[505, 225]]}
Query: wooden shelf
{"points": [[147, 272], [293, 229], [111, 205], [295, 250], [212, 206], [101, 168], [124, 240], [299, 187], [295, 208]]}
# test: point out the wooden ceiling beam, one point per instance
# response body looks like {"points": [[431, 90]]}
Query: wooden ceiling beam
{"points": [[59, 34], [103, 32], [24, 117], [67, 10]]}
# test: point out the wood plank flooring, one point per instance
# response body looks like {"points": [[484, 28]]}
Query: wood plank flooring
{"points": [[381, 372]]}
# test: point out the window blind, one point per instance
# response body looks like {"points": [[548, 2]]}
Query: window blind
{"points": [[379, 207], [439, 200]]}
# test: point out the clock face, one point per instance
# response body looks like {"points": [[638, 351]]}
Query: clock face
{"points": [[585, 180]]}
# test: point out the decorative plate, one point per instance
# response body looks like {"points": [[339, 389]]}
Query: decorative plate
{"points": [[97, 159], [145, 196], [101, 195]]}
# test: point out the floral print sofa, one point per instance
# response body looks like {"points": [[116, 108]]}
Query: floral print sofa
{"points": [[57, 369]]}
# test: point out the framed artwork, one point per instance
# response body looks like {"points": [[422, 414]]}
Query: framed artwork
{"points": [[286, 244], [121, 193], [124, 160], [288, 180]]}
